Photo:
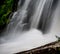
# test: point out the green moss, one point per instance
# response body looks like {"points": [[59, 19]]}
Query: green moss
{"points": [[5, 10]]}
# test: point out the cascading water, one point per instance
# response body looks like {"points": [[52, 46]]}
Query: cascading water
{"points": [[18, 17], [23, 31]]}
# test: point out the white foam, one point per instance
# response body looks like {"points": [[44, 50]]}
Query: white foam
{"points": [[28, 40]]}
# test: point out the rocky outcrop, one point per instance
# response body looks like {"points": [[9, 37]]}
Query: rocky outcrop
{"points": [[52, 48]]}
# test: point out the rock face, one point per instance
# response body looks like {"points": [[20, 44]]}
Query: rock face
{"points": [[52, 48], [15, 3]]}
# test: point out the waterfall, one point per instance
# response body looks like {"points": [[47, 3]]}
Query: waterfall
{"points": [[37, 15], [35, 23], [18, 17], [31, 14], [21, 16]]}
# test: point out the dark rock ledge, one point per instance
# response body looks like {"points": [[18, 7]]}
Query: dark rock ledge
{"points": [[52, 48]]}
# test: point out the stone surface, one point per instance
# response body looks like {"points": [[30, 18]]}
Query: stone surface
{"points": [[52, 48]]}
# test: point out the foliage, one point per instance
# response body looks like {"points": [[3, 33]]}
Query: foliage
{"points": [[5, 10]]}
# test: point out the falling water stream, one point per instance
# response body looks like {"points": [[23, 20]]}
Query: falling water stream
{"points": [[35, 23]]}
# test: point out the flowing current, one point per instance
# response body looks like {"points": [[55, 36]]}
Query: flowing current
{"points": [[35, 23]]}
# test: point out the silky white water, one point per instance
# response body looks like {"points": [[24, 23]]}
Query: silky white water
{"points": [[22, 32], [26, 41]]}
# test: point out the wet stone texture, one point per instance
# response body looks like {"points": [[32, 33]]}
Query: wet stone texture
{"points": [[52, 48]]}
